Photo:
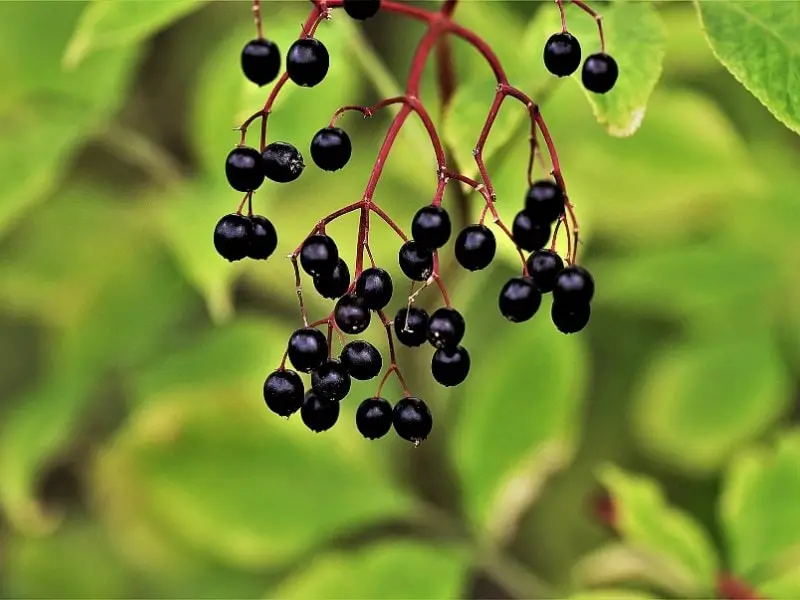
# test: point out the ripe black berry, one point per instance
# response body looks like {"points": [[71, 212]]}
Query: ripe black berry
{"points": [[450, 366], [331, 148], [283, 163], [319, 414], [232, 237], [562, 54], [307, 62], [331, 380], [361, 9], [600, 72], [446, 327], [361, 359], [261, 61], [519, 299], [283, 392], [543, 267], [308, 349], [333, 284], [574, 286], [475, 247], [544, 202], [374, 418], [412, 419], [529, 235], [431, 227], [411, 326], [263, 238], [244, 169], [351, 315], [570, 319], [416, 262], [374, 286], [319, 255]]}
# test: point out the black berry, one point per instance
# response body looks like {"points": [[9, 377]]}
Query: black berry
{"points": [[330, 380], [446, 327], [543, 267], [283, 163], [431, 227], [528, 234], [244, 169], [574, 286], [374, 418], [261, 61], [374, 286], [412, 419], [331, 148], [600, 72], [232, 237], [416, 261], [307, 62], [570, 319], [450, 366], [361, 9], [475, 247], [319, 255], [361, 359], [319, 414], [333, 284], [283, 392], [308, 349], [562, 54], [263, 238], [519, 299], [544, 202], [351, 315], [411, 326]]}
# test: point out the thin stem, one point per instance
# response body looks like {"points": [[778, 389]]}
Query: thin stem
{"points": [[388, 220], [257, 19], [298, 288], [393, 368], [367, 111], [598, 18]]}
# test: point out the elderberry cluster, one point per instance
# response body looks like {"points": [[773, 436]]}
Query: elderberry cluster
{"points": [[562, 57]]}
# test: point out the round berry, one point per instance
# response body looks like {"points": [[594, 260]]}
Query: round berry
{"points": [[412, 419], [361, 359], [374, 418], [319, 414], [411, 326], [562, 54], [574, 286], [263, 238], [519, 299], [446, 328], [544, 202], [374, 286], [307, 62], [570, 319], [331, 380], [331, 148], [333, 284], [475, 247], [283, 163], [416, 262], [361, 9], [319, 255], [308, 349], [543, 267], [244, 169], [600, 72], [283, 392], [232, 237], [431, 227], [351, 315], [261, 61], [529, 235], [450, 366]]}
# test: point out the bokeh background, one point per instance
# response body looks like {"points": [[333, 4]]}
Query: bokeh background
{"points": [[137, 458]]}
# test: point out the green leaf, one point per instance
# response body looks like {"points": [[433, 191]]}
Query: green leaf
{"points": [[612, 594], [757, 43], [647, 522], [785, 586], [372, 572]]}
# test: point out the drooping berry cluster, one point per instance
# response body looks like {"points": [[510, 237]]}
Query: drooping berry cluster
{"points": [[369, 290]]}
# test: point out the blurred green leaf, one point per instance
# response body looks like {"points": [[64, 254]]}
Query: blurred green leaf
{"points": [[611, 594], [687, 53], [757, 43], [785, 586]]}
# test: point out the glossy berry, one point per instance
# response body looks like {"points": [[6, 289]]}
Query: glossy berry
{"points": [[600, 72], [331, 148], [544, 202], [374, 286], [411, 326], [475, 247], [283, 392], [283, 163], [307, 62], [263, 238], [361, 9], [319, 414], [450, 366], [374, 418], [232, 237], [574, 286], [570, 319], [261, 61], [333, 284], [446, 327], [308, 349], [412, 419], [431, 227], [543, 267], [519, 299], [244, 169], [361, 359], [351, 315], [562, 54], [529, 235], [416, 262], [319, 255], [331, 380]]}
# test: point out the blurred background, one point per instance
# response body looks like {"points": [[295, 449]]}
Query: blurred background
{"points": [[137, 458]]}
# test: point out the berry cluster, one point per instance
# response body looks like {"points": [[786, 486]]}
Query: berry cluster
{"points": [[369, 289]]}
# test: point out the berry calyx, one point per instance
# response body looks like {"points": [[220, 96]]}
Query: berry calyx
{"points": [[282, 162], [544, 202], [351, 315], [308, 349], [331, 148], [475, 247], [283, 392], [431, 227], [519, 299], [450, 366], [307, 62], [331, 380], [562, 54], [412, 419], [374, 418], [528, 234], [319, 414], [574, 286], [374, 286], [244, 169], [416, 261], [261, 61], [361, 359], [446, 327], [543, 267], [411, 326], [232, 237], [263, 239], [333, 284], [570, 319], [319, 255], [361, 10], [599, 73]]}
